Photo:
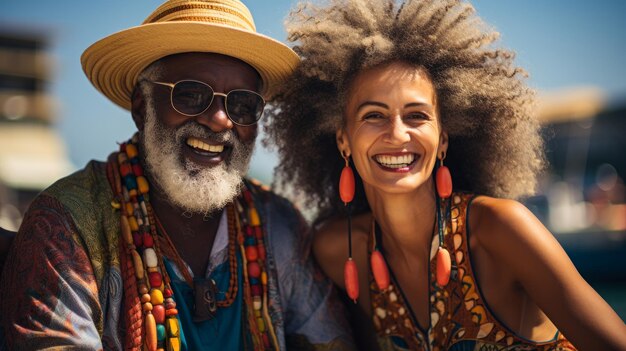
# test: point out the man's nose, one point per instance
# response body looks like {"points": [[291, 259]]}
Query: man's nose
{"points": [[216, 117]]}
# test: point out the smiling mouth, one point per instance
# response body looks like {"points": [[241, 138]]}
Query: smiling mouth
{"points": [[395, 161], [203, 148]]}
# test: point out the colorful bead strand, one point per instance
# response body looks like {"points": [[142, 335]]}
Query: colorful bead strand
{"points": [[138, 231]]}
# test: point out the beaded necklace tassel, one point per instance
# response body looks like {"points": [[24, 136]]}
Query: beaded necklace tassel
{"points": [[254, 255], [161, 328]]}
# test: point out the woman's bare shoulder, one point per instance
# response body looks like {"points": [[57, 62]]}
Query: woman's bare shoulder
{"points": [[330, 243]]}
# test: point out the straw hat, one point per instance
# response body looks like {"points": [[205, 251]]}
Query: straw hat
{"points": [[177, 26]]}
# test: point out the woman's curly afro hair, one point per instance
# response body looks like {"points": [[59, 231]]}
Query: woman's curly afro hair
{"points": [[484, 104]]}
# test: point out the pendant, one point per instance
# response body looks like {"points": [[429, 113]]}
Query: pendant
{"points": [[205, 302]]}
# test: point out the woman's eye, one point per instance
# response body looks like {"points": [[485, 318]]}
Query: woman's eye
{"points": [[373, 116], [417, 116]]}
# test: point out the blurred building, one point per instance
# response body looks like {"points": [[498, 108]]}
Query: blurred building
{"points": [[32, 154]]}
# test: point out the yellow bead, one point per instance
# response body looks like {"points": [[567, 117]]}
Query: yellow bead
{"points": [[156, 297], [147, 307], [129, 209], [126, 233], [173, 344], [254, 217], [142, 184], [131, 150], [264, 278], [132, 221], [172, 326], [116, 205], [139, 272], [261, 324]]}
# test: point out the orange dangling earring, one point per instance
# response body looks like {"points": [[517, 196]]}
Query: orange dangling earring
{"points": [[346, 193], [377, 262], [443, 182]]}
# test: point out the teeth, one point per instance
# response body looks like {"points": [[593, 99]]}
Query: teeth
{"points": [[197, 144], [395, 161]]}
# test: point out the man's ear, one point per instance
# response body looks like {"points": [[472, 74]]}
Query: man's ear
{"points": [[138, 107], [342, 142]]}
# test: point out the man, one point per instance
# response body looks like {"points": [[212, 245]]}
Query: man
{"points": [[167, 245]]}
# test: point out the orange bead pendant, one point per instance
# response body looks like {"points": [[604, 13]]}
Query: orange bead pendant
{"points": [[444, 265], [151, 334], [351, 279], [346, 185], [443, 181], [379, 269]]}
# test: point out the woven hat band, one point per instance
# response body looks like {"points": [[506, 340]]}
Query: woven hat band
{"points": [[225, 12]]}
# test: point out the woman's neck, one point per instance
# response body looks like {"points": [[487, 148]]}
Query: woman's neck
{"points": [[407, 220]]}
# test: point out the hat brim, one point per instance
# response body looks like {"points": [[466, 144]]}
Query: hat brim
{"points": [[114, 63]]}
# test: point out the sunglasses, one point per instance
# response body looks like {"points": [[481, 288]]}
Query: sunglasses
{"points": [[192, 98]]}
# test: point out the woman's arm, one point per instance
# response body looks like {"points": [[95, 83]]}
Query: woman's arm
{"points": [[517, 239]]}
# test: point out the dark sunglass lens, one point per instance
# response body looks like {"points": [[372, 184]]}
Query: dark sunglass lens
{"points": [[191, 98], [244, 107]]}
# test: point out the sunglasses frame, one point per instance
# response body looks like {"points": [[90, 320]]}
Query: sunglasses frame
{"points": [[173, 85]]}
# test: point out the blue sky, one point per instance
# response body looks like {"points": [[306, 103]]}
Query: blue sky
{"points": [[561, 43]]}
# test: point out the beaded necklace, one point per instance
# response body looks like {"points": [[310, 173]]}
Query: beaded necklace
{"points": [[152, 313]]}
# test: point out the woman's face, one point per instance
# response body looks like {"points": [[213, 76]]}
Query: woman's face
{"points": [[392, 129]]}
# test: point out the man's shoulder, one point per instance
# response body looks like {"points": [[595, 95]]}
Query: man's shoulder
{"points": [[84, 195], [270, 200], [81, 186], [284, 222]]}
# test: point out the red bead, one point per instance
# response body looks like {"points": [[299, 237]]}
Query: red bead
{"points": [[147, 240], [168, 292], [444, 265], [159, 313], [266, 341], [258, 232], [137, 170], [346, 185], [254, 270], [171, 312], [249, 231], [155, 279], [137, 239], [443, 181], [125, 169], [256, 290], [247, 196], [252, 253], [261, 249], [379, 269], [351, 278]]}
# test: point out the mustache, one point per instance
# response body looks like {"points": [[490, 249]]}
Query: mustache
{"points": [[193, 129]]}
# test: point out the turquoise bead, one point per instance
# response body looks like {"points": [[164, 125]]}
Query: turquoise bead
{"points": [[160, 332]]}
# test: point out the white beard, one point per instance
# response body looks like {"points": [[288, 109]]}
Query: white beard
{"points": [[187, 185]]}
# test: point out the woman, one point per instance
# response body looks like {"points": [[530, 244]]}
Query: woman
{"points": [[403, 95]]}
